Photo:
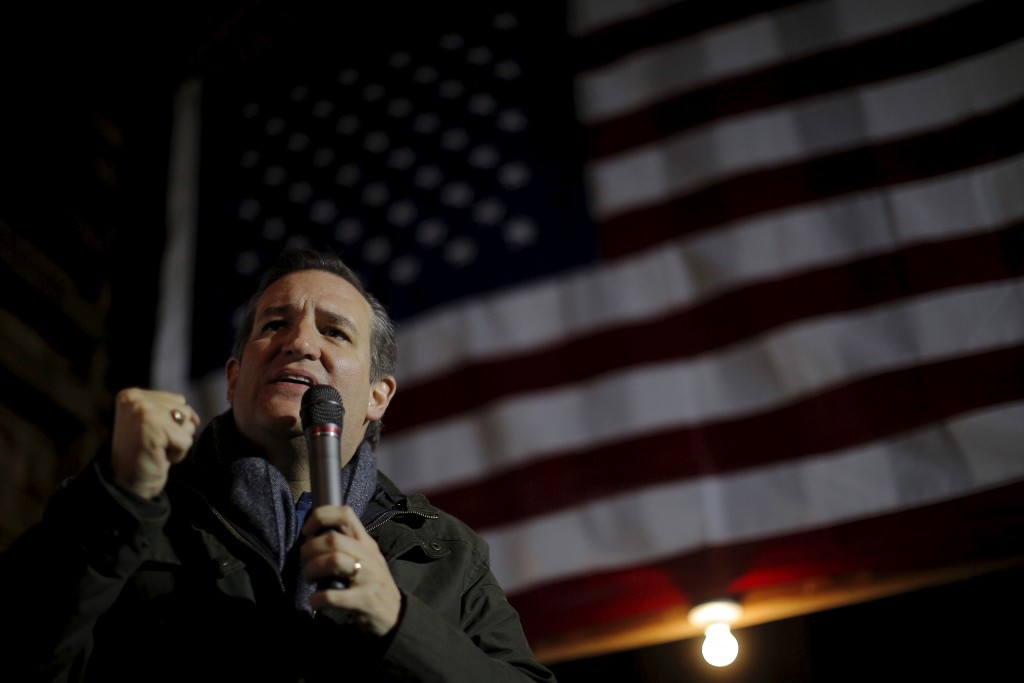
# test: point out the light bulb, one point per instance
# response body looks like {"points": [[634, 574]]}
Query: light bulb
{"points": [[720, 647]]}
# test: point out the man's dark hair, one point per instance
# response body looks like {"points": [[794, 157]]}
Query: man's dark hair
{"points": [[383, 347]]}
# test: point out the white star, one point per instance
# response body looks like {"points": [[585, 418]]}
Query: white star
{"points": [[348, 175], [460, 251], [455, 139], [249, 209], [402, 213], [348, 231], [300, 192], [514, 175], [376, 194], [489, 211], [479, 55], [274, 228], [274, 126], [431, 232], [484, 156], [457, 194], [404, 269], [274, 175], [323, 211], [376, 250], [520, 232]]}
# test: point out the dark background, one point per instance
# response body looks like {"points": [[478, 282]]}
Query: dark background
{"points": [[88, 93], [965, 631]]}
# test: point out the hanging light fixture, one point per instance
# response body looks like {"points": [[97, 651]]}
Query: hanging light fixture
{"points": [[716, 617]]}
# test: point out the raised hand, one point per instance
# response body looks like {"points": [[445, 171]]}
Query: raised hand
{"points": [[152, 431]]}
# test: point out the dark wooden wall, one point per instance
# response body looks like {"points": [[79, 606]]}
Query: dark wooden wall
{"points": [[84, 139]]}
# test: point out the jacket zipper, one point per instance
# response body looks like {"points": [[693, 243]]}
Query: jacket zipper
{"points": [[388, 515], [380, 521], [244, 541]]}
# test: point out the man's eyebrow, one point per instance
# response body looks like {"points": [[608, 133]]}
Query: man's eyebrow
{"points": [[283, 309], [339, 319]]}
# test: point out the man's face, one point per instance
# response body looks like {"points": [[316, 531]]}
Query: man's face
{"points": [[310, 327]]}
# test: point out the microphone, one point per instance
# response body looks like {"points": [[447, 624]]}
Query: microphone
{"points": [[323, 416]]}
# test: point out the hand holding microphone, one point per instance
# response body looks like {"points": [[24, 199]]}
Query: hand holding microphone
{"points": [[323, 416], [375, 598]]}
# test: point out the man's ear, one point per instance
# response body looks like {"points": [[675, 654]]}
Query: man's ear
{"points": [[381, 394], [231, 372]]}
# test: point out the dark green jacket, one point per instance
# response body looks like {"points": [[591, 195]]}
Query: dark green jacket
{"points": [[110, 587]]}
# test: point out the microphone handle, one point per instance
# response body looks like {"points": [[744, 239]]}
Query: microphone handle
{"points": [[325, 465], [324, 443]]}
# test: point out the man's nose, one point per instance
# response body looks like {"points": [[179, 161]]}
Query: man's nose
{"points": [[304, 340]]}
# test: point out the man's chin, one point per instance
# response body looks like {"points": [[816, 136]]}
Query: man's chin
{"points": [[286, 425], [280, 425]]}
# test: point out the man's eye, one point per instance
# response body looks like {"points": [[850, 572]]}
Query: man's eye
{"points": [[271, 325], [334, 332]]}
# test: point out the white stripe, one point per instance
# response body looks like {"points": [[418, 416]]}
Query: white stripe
{"points": [[944, 461], [586, 16], [762, 373], [937, 98], [754, 43], [676, 275], [806, 129]]}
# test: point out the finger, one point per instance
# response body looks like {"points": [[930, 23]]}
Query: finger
{"points": [[372, 596], [325, 517], [322, 563], [183, 415], [179, 423], [167, 423], [165, 408], [179, 444], [181, 420], [340, 517], [336, 565], [327, 543]]}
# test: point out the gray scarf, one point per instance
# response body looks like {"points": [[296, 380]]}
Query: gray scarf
{"points": [[260, 491], [259, 500]]}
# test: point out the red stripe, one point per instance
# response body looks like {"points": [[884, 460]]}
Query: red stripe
{"points": [[727, 319], [663, 25], [972, 30], [984, 526], [860, 411], [980, 140]]}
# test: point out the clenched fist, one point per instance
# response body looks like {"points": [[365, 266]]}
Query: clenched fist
{"points": [[152, 431]]}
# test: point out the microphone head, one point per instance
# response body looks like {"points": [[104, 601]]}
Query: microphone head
{"points": [[321, 404]]}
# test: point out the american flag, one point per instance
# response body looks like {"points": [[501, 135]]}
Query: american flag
{"points": [[695, 298]]}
